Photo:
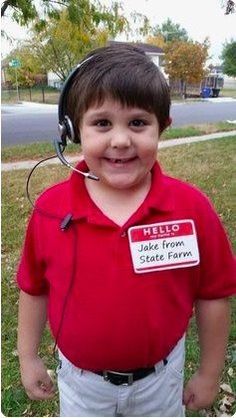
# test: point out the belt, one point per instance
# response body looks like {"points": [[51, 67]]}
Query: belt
{"points": [[126, 378]]}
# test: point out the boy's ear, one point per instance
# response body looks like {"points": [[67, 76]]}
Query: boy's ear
{"points": [[168, 122]]}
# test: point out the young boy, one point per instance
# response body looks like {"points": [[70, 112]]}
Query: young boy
{"points": [[138, 250]]}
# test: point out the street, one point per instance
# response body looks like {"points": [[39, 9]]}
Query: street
{"points": [[29, 122]]}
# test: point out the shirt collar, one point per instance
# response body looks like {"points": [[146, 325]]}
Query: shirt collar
{"points": [[159, 198], [81, 203]]}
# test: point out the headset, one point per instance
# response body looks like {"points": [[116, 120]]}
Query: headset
{"points": [[65, 125], [66, 132]]}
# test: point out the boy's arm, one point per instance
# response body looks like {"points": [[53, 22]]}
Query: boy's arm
{"points": [[213, 321], [31, 323]]}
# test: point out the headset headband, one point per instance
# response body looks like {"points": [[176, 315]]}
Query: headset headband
{"points": [[65, 125]]}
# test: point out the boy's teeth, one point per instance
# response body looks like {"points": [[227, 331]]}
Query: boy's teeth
{"points": [[118, 160]]}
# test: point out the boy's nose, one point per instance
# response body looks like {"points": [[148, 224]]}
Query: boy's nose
{"points": [[120, 139]]}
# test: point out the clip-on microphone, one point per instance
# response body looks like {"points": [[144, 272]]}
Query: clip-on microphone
{"points": [[59, 147]]}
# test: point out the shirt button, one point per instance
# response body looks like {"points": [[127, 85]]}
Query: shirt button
{"points": [[123, 235]]}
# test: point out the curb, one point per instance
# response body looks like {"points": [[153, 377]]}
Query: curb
{"points": [[192, 139], [21, 165]]}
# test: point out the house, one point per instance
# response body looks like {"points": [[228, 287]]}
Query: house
{"points": [[53, 80]]}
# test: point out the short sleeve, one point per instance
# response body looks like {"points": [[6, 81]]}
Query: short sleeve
{"points": [[217, 262], [31, 270]]}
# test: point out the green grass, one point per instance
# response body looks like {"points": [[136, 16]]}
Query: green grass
{"points": [[38, 150], [226, 92], [197, 130], [208, 165]]}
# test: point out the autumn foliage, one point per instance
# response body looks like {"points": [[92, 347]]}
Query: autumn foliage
{"points": [[185, 60], [157, 40]]}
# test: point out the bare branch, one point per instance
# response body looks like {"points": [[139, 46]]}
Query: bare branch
{"points": [[230, 7]]}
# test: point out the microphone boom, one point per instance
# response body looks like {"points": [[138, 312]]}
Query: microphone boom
{"points": [[58, 147]]}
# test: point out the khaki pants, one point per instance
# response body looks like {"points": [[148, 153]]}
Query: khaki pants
{"points": [[85, 394]]}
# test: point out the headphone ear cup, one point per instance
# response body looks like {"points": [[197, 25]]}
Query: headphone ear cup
{"points": [[70, 131], [69, 128], [65, 126], [66, 130]]}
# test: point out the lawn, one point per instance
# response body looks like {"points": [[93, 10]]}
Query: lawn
{"points": [[226, 92], [208, 165]]}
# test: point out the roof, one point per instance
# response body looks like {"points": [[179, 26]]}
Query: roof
{"points": [[145, 47]]}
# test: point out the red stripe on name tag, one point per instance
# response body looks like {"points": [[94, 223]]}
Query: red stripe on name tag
{"points": [[157, 231]]}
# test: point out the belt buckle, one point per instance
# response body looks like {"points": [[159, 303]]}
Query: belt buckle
{"points": [[128, 375]]}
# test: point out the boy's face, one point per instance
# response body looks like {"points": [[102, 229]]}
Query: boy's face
{"points": [[119, 143]]}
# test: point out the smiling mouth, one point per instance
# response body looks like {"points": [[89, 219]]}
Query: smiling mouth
{"points": [[120, 160]]}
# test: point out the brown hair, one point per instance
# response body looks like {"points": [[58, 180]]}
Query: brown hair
{"points": [[124, 73]]}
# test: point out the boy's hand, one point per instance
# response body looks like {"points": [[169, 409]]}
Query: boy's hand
{"points": [[200, 391], [36, 380]]}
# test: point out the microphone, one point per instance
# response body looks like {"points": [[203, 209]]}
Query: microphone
{"points": [[59, 147], [66, 222]]}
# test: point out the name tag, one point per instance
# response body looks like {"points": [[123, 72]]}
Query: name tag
{"points": [[163, 246]]}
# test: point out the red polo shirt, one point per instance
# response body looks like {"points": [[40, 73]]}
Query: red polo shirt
{"points": [[110, 316]]}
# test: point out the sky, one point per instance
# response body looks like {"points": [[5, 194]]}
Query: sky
{"points": [[201, 19]]}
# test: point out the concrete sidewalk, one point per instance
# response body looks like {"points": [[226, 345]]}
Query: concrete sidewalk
{"points": [[20, 165]]}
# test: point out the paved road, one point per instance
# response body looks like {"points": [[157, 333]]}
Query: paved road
{"points": [[29, 122]]}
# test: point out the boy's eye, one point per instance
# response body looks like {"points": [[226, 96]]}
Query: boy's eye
{"points": [[137, 123], [102, 123]]}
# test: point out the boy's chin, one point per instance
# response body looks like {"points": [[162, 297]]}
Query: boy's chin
{"points": [[123, 183]]}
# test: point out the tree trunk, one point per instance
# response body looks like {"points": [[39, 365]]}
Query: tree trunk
{"points": [[183, 88]]}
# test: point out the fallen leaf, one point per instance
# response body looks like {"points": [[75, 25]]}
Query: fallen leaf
{"points": [[52, 374], [227, 400], [226, 388], [230, 371], [15, 353]]}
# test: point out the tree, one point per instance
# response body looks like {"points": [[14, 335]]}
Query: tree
{"points": [[170, 31], [61, 43], [229, 58], [185, 61], [30, 71], [157, 40], [138, 24], [25, 12]]}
